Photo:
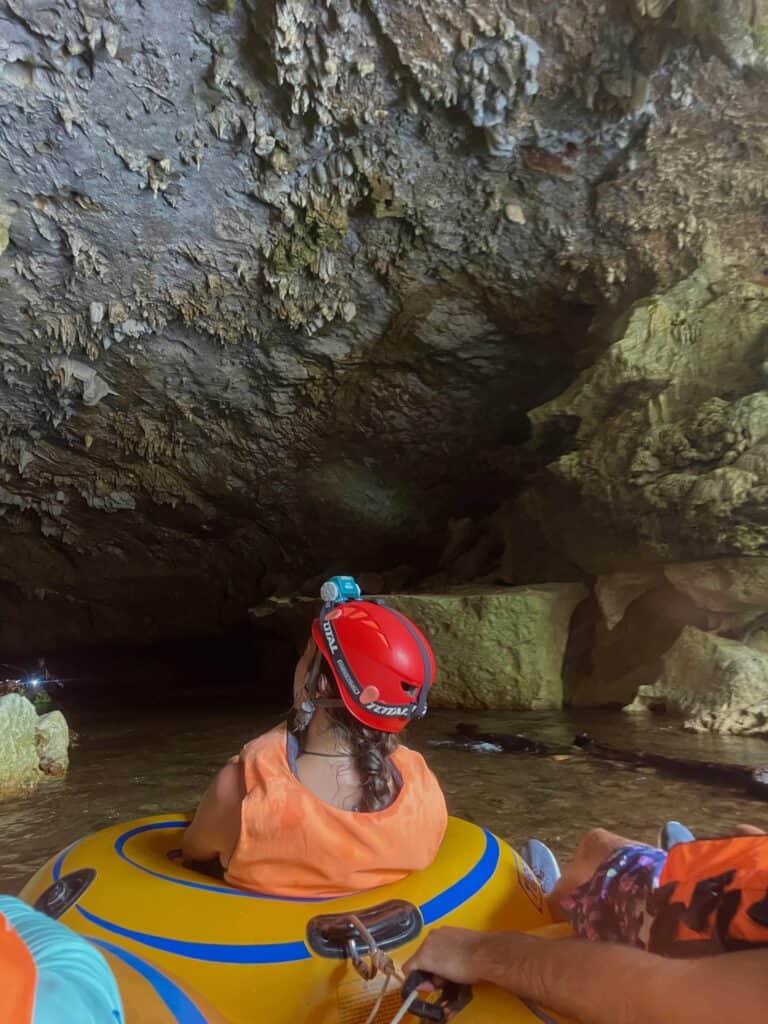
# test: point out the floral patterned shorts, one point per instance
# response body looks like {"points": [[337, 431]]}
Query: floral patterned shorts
{"points": [[612, 905]]}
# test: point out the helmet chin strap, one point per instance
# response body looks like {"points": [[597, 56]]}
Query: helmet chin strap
{"points": [[311, 701]]}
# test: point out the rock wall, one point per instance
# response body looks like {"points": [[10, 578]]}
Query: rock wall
{"points": [[280, 281], [668, 461], [670, 447], [497, 647]]}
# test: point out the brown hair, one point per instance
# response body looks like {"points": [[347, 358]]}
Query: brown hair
{"points": [[370, 749]]}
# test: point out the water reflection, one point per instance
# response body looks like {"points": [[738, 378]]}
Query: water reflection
{"points": [[130, 764]]}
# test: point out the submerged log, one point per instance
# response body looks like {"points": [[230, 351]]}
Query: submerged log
{"points": [[468, 736], [755, 779]]}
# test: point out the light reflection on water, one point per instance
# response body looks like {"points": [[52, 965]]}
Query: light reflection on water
{"points": [[131, 764]]}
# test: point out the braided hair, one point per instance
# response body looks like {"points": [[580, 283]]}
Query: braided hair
{"points": [[370, 749]]}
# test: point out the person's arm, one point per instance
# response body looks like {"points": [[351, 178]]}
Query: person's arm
{"points": [[74, 982], [215, 828], [596, 983]]}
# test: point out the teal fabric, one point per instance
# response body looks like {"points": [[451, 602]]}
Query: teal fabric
{"points": [[74, 983]]}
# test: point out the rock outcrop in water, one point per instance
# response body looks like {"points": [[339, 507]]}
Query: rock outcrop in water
{"points": [[643, 612], [52, 741], [715, 685], [19, 767], [31, 746]]}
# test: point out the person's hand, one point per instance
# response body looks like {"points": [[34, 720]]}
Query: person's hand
{"points": [[449, 954], [749, 830]]}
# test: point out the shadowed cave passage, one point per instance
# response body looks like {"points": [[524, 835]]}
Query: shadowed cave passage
{"points": [[179, 537]]}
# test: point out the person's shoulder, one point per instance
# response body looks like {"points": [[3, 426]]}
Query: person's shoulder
{"points": [[265, 758], [401, 752], [422, 790], [411, 762], [228, 788], [274, 739]]}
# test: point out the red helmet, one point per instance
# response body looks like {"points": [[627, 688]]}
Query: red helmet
{"points": [[381, 661]]}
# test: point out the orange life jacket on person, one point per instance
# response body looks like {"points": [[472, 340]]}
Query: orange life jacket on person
{"points": [[712, 897], [18, 977], [292, 843]]}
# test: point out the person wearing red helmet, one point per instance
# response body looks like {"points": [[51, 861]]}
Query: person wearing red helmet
{"points": [[330, 803]]}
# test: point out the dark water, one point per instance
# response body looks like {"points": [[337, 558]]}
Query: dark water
{"points": [[148, 760]]}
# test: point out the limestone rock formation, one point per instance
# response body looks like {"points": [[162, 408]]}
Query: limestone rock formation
{"points": [[670, 446], [616, 592], [31, 746], [628, 655], [497, 647], [724, 585], [19, 767], [52, 742], [716, 685], [642, 613], [280, 282]]}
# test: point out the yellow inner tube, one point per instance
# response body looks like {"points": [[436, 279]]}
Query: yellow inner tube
{"points": [[151, 997], [253, 957]]}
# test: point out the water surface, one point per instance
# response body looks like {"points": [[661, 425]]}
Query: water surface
{"points": [[150, 760]]}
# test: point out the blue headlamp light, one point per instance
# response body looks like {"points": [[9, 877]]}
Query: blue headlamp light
{"points": [[340, 589]]}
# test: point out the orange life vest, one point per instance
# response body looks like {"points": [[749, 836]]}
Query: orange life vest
{"points": [[712, 897], [18, 977], [292, 843]]}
